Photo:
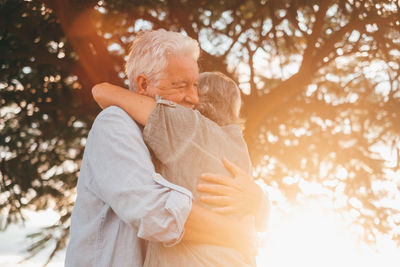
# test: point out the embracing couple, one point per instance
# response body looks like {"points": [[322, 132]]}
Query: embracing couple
{"points": [[166, 177]]}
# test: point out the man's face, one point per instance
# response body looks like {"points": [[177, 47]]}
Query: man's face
{"points": [[178, 82]]}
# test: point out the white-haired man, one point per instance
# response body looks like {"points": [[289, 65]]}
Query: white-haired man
{"points": [[121, 201]]}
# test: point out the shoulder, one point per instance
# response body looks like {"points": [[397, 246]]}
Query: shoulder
{"points": [[236, 133], [177, 113], [113, 112], [112, 117], [233, 129], [233, 133]]}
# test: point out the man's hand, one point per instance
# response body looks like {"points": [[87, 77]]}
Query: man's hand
{"points": [[237, 194]]}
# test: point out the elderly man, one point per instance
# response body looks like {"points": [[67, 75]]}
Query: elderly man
{"points": [[121, 201]]}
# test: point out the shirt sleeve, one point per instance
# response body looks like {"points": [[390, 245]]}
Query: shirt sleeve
{"points": [[123, 176], [170, 129]]}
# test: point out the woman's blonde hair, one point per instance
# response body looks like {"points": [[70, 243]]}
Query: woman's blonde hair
{"points": [[219, 98]]}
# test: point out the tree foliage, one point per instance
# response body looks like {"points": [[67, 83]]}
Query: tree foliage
{"points": [[320, 80]]}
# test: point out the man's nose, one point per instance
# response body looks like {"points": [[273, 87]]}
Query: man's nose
{"points": [[192, 96]]}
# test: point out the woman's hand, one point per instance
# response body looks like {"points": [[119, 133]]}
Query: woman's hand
{"points": [[237, 194]]}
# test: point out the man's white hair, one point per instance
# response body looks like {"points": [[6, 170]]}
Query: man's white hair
{"points": [[149, 52]]}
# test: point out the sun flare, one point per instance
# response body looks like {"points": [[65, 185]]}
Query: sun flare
{"points": [[314, 237]]}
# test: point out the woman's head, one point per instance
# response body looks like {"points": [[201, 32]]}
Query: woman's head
{"points": [[219, 98]]}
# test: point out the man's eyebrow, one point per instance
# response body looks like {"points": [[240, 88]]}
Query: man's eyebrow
{"points": [[179, 82]]}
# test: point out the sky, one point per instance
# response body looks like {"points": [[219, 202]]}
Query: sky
{"points": [[313, 236], [13, 241]]}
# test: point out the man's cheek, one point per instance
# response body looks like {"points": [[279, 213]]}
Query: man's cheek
{"points": [[172, 97], [151, 92]]}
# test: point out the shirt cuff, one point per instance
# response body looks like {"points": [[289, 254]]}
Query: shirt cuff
{"points": [[160, 100], [179, 204], [161, 180]]}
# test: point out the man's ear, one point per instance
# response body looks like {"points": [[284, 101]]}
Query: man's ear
{"points": [[142, 84]]}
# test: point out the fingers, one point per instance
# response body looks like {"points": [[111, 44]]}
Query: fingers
{"points": [[216, 200], [216, 178], [232, 168], [214, 189]]}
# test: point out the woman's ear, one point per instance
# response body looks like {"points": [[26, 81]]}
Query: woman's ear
{"points": [[142, 84]]}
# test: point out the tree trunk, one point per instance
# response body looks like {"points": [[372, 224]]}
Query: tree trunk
{"points": [[95, 63]]}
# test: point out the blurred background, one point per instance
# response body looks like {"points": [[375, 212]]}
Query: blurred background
{"points": [[321, 93]]}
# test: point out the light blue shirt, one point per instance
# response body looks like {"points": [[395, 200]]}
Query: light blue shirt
{"points": [[121, 201]]}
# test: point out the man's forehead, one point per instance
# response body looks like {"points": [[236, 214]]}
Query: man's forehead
{"points": [[180, 69], [180, 77]]}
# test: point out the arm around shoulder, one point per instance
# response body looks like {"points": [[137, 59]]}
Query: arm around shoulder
{"points": [[122, 176], [137, 106]]}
